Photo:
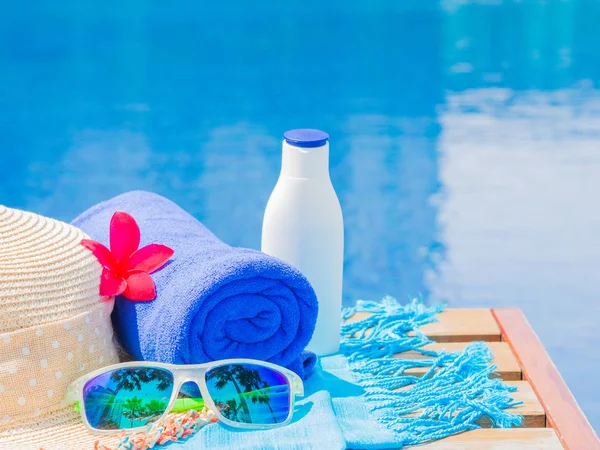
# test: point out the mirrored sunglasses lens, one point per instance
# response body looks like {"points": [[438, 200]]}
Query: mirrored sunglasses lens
{"points": [[127, 398], [249, 393]]}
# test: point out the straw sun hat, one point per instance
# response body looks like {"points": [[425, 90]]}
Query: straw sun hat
{"points": [[54, 327]]}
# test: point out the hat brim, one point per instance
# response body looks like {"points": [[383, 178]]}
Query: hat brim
{"points": [[63, 430]]}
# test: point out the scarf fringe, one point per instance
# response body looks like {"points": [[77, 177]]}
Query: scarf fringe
{"points": [[455, 393]]}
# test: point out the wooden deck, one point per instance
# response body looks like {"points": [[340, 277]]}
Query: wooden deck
{"points": [[552, 418]]}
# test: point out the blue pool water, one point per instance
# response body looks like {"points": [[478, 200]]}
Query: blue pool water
{"points": [[465, 136]]}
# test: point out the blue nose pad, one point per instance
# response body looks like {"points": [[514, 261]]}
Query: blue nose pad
{"points": [[189, 398]]}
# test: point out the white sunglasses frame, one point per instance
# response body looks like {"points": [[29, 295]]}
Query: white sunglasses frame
{"points": [[183, 373]]}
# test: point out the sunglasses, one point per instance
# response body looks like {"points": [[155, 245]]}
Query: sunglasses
{"points": [[243, 393]]}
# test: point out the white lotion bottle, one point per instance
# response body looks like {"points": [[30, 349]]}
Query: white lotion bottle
{"points": [[303, 226]]}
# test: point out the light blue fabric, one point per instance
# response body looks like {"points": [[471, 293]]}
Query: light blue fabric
{"points": [[456, 390], [213, 301], [351, 402]]}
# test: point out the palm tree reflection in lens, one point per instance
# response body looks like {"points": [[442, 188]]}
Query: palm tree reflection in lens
{"points": [[127, 398], [241, 392]]}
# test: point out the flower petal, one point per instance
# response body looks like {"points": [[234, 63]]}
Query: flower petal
{"points": [[124, 237], [140, 287], [111, 284], [101, 253], [150, 258]]}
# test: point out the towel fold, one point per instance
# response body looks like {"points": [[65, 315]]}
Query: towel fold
{"points": [[213, 301]]}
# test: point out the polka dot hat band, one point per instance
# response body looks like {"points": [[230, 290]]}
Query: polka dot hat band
{"points": [[54, 327]]}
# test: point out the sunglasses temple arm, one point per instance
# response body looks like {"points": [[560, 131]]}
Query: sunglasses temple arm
{"points": [[71, 394]]}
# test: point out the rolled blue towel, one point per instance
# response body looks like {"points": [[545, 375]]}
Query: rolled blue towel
{"points": [[213, 301]]}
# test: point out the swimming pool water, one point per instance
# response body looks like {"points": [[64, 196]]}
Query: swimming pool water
{"points": [[465, 136]]}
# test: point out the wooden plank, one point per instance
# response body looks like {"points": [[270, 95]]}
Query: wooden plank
{"points": [[499, 439], [562, 412], [531, 409], [463, 325], [508, 367], [458, 325]]}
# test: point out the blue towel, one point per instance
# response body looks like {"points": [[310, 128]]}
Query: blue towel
{"points": [[213, 301]]}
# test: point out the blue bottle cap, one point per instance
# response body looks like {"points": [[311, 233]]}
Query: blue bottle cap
{"points": [[306, 138]]}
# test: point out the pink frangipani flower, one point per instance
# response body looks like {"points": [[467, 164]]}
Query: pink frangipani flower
{"points": [[127, 269]]}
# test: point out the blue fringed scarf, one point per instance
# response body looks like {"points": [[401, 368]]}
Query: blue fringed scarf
{"points": [[351, 399], [456, 391]]}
